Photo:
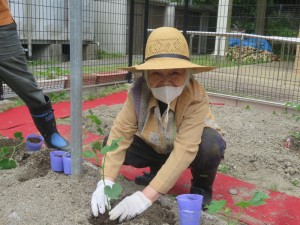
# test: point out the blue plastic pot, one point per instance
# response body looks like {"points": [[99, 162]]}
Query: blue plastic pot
{"points": [[190, 208], [56, 160], [33, 146], [67, 163]]}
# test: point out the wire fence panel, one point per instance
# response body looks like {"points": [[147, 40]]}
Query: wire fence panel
{"points": [[254, 45], [252, 72], [44, 30]]}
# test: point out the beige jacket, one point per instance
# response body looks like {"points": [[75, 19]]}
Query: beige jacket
{"points": [[180, 138], [5, 15]]}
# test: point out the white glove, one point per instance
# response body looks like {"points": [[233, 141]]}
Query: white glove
{"points": [[99, 199], [130, 207]]}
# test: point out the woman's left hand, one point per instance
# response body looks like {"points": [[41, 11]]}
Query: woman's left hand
{"points": [[130, 207]]}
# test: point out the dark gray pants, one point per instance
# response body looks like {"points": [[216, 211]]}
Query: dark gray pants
{"points": [[14, 71]]}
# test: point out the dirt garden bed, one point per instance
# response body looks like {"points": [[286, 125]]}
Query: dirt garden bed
{"points": [[33, 194]]}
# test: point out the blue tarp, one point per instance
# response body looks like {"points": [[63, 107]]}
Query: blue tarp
{"points": [[260, 44]]}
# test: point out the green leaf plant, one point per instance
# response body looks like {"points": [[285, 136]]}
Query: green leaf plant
{"points": [[98, 149], [7, 153], [220, 207]]}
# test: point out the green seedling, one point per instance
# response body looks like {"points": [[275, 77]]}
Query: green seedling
{"points": [[223, 169], [6, 154], [273, 187], [247, 107], [296, 135], [295, 106], [59, 96], [98, 149], [220, 207], [95, 120], [295, 182]]}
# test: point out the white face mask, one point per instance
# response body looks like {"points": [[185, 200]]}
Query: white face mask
{"points": [[167, 94]]}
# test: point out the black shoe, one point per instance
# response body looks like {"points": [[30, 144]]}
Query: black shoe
{"points": [[207, 196], [145, 179]]}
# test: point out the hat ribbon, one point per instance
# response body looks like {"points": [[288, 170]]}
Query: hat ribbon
{"points": [[168, 56]]}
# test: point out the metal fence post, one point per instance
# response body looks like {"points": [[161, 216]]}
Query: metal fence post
{"points": [[185, 17], [130, 51], [1, 90], [239, 65], [76, 86], [191, 43], [146, 11]]}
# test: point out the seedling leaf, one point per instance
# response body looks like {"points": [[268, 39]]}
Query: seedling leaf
{"points": [[19, 136], [296, 106], [257, 199], [110, 148], [7, 164], [96, 145], [4, 151], [216, 206], [94, 118], [100, 131], [89, 154], [227, 211], [114, 191]]}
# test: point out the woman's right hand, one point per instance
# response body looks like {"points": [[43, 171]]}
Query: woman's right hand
{"points": [[99, 200]]}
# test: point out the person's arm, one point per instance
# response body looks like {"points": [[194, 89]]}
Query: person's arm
{"points": [[151, 193], [125, 126]]}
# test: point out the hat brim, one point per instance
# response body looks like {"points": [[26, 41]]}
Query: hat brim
{"points": [[168, 63]]}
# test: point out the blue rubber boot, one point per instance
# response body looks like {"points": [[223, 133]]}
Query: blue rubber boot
{"points": [[44, 121]]}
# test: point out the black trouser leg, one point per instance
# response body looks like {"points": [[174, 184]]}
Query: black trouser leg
{"points": [[144, 158], [205, 165], [15, 74], [141, 155]]}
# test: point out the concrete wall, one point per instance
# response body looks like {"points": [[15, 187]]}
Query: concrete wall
{"points": [[48, 20], [111, 25]]}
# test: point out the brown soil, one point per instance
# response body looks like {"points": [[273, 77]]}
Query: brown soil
{"points": [[34, 140], [32, 194]]}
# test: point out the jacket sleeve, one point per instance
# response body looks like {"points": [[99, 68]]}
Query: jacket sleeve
{"points": [[186, 146], [125, 125]]}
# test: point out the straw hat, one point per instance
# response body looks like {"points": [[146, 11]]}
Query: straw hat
{"points": [[167, 48]]}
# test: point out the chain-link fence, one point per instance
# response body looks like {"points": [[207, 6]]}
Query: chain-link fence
{"points": [[254, 45]]}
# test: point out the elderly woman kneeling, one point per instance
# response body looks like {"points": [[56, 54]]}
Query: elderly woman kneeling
{"points": [[167, 125]]}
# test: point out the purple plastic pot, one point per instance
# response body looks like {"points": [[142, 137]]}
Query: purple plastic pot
{"points": [[56, 160], [190, 208], [32, 146], [67, 164]]}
